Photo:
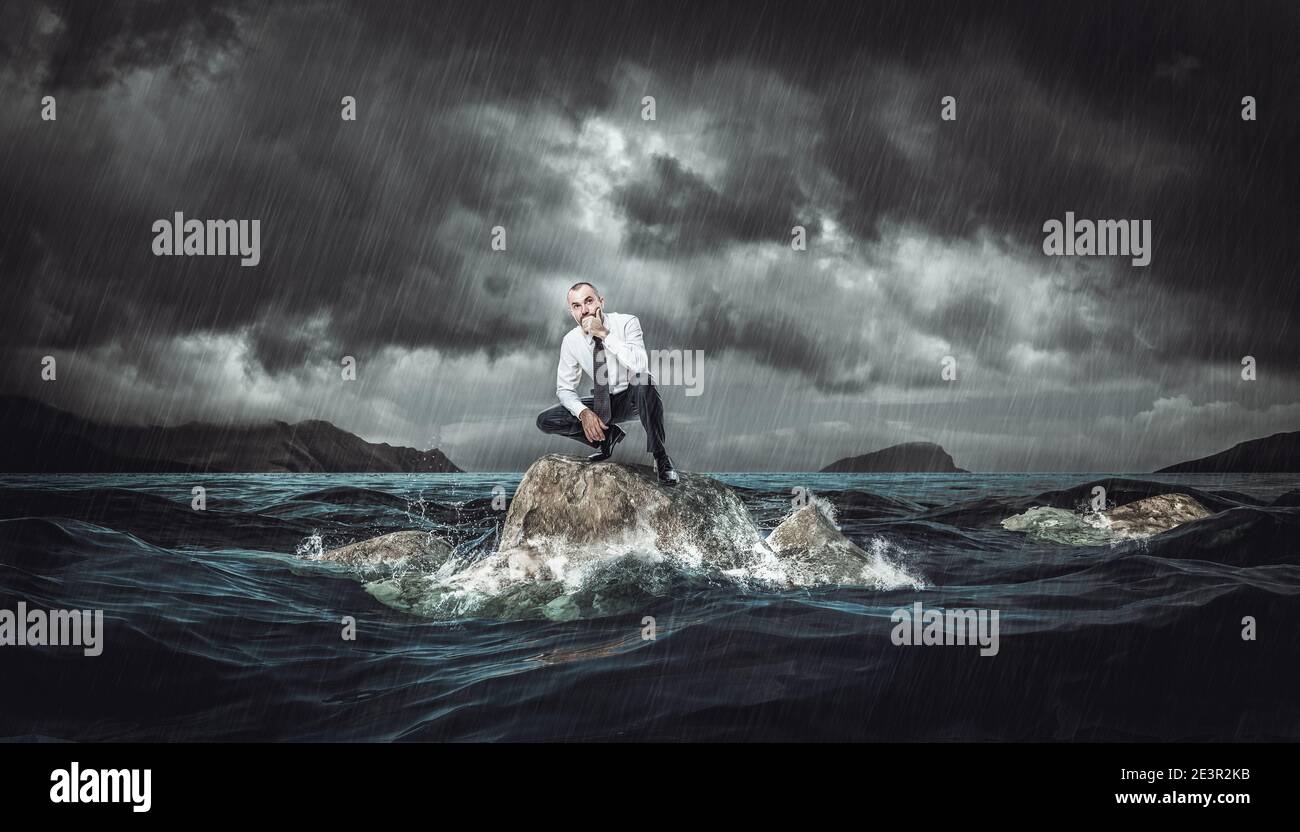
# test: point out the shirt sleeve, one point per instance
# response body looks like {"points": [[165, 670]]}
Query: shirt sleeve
{"points": [[629, 347], [567, 375]]}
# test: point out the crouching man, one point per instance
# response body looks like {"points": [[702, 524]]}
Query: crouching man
{"points": [[608, 347]]}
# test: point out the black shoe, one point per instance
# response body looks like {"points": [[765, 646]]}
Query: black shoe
{"points": [[664, 466], [613, 435]]}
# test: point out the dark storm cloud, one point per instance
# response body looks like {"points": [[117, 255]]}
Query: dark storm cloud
{"points": [[354, 216], [1100, 137], [778, 339], [675, 212], [1022, 152], [476, 115], [284, 348], [1081, 116], [68, 44]]}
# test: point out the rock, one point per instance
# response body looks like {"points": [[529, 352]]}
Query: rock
{"points": [[564, 504], [601, 538], [1290, 499], [44, 439], [813, 551], [1276, 454], [1060, 525], [617, 600], [1136, 520], [909, 457], [1124, 490], [413, 549], [1154, 515], [563, 608]]}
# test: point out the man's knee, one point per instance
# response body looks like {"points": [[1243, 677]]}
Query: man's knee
{"points": [[555, 420], [643, 391]]}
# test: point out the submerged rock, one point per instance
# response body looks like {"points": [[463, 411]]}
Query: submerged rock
{"points": [[814, 551], [413, 549], [563, 608], [1060, 525], [1132, 521], [1154, 515]]}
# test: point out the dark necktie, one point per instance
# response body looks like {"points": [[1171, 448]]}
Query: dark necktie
{"points": [[600, 393]]}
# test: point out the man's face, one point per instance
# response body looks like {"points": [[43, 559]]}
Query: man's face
{"points": [[583, 303]]}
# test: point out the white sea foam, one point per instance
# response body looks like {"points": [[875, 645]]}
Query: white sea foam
{"points": [[886, 569], [542, 573], [311, 548]]}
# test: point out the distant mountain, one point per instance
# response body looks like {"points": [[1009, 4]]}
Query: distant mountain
{"points": [[1276, 454], [43, 439], [909, 457]]}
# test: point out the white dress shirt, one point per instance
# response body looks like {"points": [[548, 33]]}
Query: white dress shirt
{"points": [[625, 356]]}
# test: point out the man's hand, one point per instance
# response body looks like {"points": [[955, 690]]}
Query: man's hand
{"points": [[592, 427], [594, 326]]}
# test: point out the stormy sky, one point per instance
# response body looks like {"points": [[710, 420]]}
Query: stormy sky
{"points": [[924, 236]]}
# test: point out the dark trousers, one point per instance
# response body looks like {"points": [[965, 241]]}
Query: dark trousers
{"points": [[637, 400]]}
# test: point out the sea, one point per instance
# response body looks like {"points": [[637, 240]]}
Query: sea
{"points": [[227, 624]]}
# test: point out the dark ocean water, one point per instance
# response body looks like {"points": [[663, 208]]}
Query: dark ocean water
{"points": [[220, 625]]}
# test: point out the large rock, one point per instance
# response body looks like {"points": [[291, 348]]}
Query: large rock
{"points": [[1276, 454], [570, 503], [43, 439], [410, 549], [813, 551], [909, 457]]}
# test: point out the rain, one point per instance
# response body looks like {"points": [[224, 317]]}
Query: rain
{"points": [[957, 312]]}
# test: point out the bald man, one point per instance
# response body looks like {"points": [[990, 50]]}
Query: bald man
{"points": [[608, 347]]}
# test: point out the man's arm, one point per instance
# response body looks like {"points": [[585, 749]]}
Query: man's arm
{"points": [[629, 347], [567, 375]]}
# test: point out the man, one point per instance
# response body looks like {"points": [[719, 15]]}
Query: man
{"points": [[608, 348]]}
